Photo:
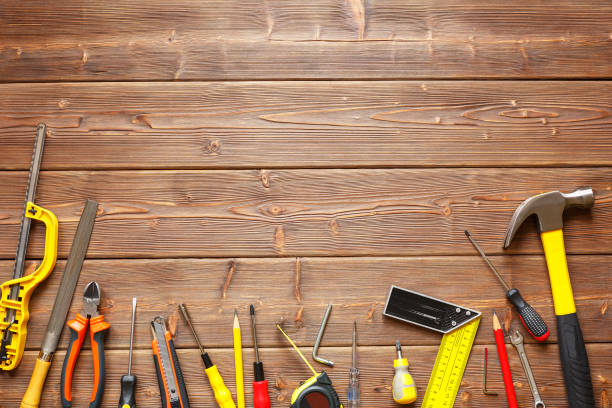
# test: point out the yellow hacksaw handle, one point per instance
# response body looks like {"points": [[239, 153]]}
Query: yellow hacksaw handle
{"points": [[28, 284], [554, 250]]}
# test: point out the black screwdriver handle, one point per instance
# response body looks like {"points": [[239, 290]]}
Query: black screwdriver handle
{"points": [[128, 394], [532, 321]]}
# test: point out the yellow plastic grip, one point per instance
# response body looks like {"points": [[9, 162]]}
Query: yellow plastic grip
{"points": [[31, 398], [560, 284], [404, 390], [222, 394], [28, 284]]}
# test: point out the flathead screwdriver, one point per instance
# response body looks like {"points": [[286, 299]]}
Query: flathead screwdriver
{"points": [[222, 393], [353, 387], [532, 321], [128, 382]]}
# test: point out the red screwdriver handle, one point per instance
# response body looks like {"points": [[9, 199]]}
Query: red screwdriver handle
{"points": [[529, 317], [261, 398]]}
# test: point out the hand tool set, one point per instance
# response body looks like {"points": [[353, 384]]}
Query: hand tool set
{"points": [[457, 324], [63, 299]]}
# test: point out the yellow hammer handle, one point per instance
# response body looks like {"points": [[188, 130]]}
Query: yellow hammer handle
{"points": [[554, 250], [222, 394], [31, 398], [239, 373]]}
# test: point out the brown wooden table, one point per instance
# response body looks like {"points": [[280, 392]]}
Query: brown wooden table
{"points": [[290, 154]]}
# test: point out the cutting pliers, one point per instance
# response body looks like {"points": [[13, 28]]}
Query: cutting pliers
{"points": [[78, 329]]}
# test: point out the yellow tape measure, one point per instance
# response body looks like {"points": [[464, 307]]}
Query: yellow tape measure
{"points": [[450, 364]]}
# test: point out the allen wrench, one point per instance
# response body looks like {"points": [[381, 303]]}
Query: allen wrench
{"points": [[484, 376], [320, 336]]}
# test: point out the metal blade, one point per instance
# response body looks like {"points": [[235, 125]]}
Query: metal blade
{"points": [[70, 278], [159, 328]]}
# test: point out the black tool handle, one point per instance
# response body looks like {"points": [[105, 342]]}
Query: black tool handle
{"points": [[160, 381], [532, 321], [574, 362], [179, 375], [128, 394]]}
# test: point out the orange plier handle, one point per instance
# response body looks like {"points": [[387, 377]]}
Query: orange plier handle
{"points": [[78, 329]]}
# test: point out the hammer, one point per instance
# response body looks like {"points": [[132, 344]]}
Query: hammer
{"points": [[549, 208]]}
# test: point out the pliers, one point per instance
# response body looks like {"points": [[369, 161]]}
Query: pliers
{"points": [[78, 329]]}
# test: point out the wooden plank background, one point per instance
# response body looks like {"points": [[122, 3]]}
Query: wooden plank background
{"points": [[294, 154]]}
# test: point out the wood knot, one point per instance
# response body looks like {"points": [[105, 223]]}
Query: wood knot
{"points": [[62, 103], [275, 210], [604, 307], [231, 268], [265, 179], [279, 238], [212, 147], [333, 225], [299, 317]]}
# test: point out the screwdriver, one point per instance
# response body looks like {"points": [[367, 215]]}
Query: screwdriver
{"points": [[222, 394], [128, 382], [261, 398], [529, 317], [404, 391], [353, 388]]}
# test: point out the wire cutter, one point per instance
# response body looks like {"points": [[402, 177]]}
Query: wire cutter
{"points": [[78, 329]]}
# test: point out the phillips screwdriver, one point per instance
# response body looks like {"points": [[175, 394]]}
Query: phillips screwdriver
{"points": [[404, 390], [532, 321], [261, 398], [353, 387], [222, 393], [128, 382]]}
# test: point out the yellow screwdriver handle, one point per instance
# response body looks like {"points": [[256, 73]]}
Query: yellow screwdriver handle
{"points": [[222, 394], [404, 390]]}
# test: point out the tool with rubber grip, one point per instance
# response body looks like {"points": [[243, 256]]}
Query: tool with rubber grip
{"points": [[574, 362], [177, 372], [549, 208], [78, 330], [97, 331], [531, 320], [261, 398]]}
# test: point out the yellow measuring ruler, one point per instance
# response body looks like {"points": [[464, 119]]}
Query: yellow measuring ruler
{"points": [[450, 364]]}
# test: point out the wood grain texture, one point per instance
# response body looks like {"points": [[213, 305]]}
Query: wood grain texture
{"points": [[308, 124], [323, 212], [287, 40], [357, 287]]}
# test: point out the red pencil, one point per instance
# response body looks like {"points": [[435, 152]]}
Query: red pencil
{"points": [[503, 361]]}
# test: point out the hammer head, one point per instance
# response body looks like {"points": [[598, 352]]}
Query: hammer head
{"points": [[548, 208]]}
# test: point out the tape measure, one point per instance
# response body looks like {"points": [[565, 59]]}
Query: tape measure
{"points": [[317, 391], [450, 364]]}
